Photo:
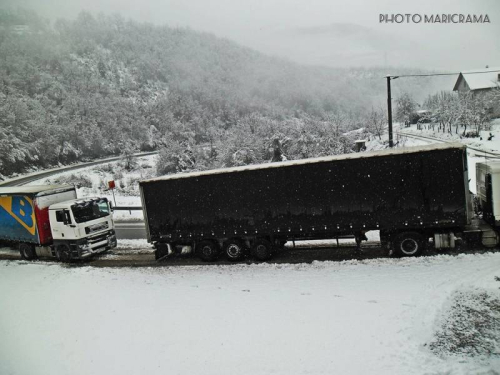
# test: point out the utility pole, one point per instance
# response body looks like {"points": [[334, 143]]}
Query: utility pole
{"points": [[389, 110]]}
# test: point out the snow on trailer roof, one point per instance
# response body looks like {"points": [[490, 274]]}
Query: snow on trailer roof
{"points": [[34, 189], [354, 155]]}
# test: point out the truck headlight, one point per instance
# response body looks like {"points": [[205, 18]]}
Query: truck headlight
{"points": [[85, 246]]}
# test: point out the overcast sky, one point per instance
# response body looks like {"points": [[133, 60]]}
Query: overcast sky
{"points": [[325, 32]]}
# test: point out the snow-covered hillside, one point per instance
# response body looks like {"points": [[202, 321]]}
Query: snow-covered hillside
{"points": [[428, 315]]}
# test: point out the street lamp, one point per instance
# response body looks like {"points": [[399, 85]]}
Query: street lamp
{"points": [[389, 107]]}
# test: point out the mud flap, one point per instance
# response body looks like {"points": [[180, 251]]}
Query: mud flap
{"points": [[162, 251]]}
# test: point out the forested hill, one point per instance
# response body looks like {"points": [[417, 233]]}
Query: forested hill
{"points": [[102, 85]]}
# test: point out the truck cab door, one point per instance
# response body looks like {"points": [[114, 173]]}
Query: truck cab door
{"points": [[63, 228]]}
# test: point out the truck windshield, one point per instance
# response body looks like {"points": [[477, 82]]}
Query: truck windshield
{"points": [[90, 210]]}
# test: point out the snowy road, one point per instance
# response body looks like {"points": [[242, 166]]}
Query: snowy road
{"points": [[130, 229], [376, 316]]}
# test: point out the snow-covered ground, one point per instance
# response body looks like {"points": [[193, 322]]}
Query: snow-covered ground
{"points": [[482, 142], [382, 316]]}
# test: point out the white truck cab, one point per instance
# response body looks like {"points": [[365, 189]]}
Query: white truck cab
{"points": [[81, 227], [488, 190]]}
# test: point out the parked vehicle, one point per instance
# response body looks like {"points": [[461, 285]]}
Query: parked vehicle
{"points": [[423, 116], [50, 221], [410, 195]]}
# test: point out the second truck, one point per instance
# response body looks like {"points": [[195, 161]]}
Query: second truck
{"points": [[50, 221], [411, 195]]}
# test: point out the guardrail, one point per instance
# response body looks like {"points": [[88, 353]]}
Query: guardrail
{"points": [[127, 208], [22, 180]]}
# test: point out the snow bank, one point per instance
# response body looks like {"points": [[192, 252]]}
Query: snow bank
{"points": [[469, 324]]}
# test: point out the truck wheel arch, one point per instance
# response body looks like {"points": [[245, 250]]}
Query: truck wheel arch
{"points": [[63, 252], [27, 251]]}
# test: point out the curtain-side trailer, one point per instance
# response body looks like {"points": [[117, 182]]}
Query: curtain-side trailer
{"points": [[49, 220], [409, 194]]}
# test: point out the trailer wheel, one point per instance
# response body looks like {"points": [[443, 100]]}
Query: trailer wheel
{"points": [[207, 250], [63, 253], [27, 251], [409, 244], [262, 249], [234, 250]]}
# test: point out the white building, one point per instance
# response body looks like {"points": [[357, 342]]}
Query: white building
{"points": [[480, 83]]}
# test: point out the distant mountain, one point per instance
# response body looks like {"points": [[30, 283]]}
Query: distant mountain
{"points": [[359, 44], [99, 85]]}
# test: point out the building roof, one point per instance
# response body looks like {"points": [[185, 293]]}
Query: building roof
{"points": [[354, 155], [476, 80], [35, 189]]}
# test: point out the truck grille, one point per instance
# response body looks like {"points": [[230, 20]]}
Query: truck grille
{"points": [[96, 227], [100, 238]]}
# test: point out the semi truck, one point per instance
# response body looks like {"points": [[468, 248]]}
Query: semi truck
{"points": [[412, 196], [50, 221]]}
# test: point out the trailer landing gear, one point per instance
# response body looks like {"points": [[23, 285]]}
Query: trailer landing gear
{"points": [[359, 238]]}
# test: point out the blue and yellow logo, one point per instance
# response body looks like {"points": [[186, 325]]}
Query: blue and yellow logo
{"points": [[21, 209]]}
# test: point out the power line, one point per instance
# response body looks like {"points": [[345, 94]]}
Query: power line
{"points": [[442, 74]]}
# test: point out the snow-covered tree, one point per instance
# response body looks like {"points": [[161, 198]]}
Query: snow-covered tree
{"points": [[405, 106], [376, 121], [473, 111]]}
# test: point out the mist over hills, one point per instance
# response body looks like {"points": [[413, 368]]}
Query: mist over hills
{"points": [[101, 85]]}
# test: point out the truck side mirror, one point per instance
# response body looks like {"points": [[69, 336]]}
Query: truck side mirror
{"points": [[67, 218]]}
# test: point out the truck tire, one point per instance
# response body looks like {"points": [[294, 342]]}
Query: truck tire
{"points": [[262, 249], [63, 253], [27, 251], [207, 250], [409, 244], [234, 250]]}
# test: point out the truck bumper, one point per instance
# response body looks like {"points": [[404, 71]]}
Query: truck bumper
{"points": [[96, 244]]}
